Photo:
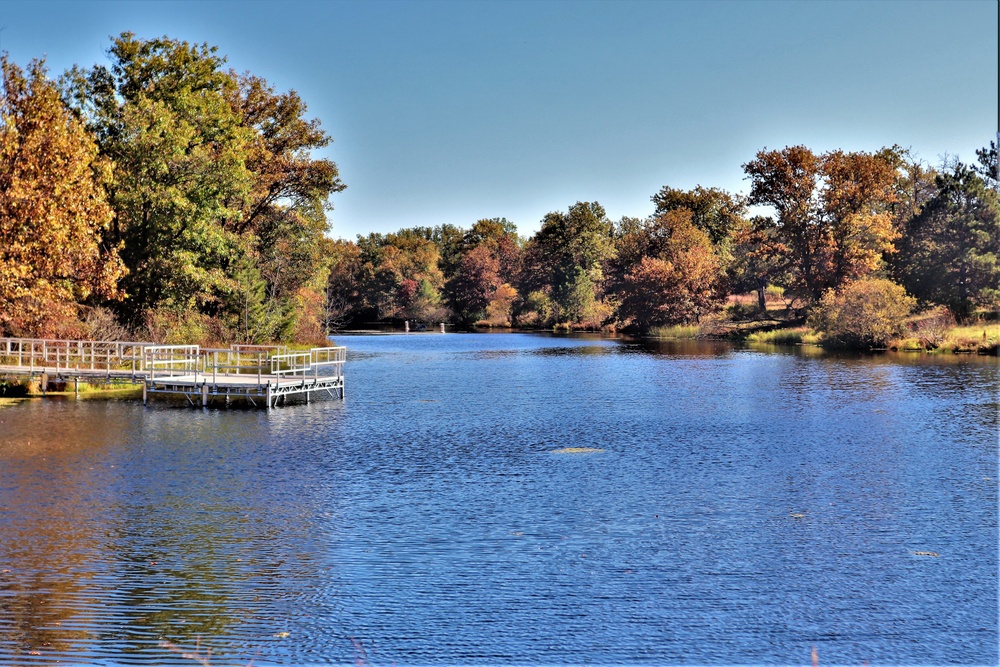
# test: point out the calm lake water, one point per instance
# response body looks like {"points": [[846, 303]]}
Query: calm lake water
{"points": [[740, 507]]}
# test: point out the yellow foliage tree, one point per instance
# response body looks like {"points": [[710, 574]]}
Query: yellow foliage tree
{"points": [[53, 209]]}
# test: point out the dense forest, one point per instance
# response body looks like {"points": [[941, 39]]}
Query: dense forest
{"points": [[165, 197]]}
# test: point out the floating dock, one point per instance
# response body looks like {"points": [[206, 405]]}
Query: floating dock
{"points": [[263, 375]]}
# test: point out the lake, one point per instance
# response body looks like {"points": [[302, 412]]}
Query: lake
{"points": [[517, 499]]}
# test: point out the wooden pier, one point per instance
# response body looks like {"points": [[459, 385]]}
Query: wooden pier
{"points": [[262, 375]]}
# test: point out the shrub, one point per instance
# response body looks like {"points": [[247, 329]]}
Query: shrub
{"points": [[739, 312], [774, 294], [863, 314], [932, 329]]}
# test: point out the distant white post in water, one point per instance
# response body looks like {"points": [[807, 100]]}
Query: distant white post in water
{"points": [[442, 327], [407, 325]]}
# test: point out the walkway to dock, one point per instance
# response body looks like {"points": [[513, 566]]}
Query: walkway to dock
{"points": [[261, 374]]}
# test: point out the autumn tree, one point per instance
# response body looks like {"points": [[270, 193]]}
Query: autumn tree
{"points": [[914, 186], [283, 215], [856, 199], [488, 260], [714, 211], [758, 258], [474, 284], [787, 180], [866, 313], [833, 211], [399, 276], [54, 216], [342, 293], [665, 271]]}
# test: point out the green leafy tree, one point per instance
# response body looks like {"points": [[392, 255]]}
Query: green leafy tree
{"points": [[714, 211], [54, 217], [987, 167], [951, 252], [283, 215], [567, 254], [250, 317], [180, 168]]}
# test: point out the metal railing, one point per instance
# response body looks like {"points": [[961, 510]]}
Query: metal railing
{"points": [[226, 362], [331, 357], [305, 364], [69, 355], [172, 361]]}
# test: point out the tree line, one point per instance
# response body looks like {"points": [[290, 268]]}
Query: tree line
{"points": [[166, 197], [839, 219]]}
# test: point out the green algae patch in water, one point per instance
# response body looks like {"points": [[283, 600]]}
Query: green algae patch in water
{"points": [[577, 450]]}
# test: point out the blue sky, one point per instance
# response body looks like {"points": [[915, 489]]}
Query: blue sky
{"points": [[447, 112]]}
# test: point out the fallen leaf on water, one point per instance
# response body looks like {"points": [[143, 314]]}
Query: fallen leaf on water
{"points": [[282, 635], [577, 450], [924, 553], [797, 515]]}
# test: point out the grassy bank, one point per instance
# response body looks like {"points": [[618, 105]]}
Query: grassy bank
{"points": [[678, 332], [932, 331], [18, 389], [785, 336], [983, 338]]}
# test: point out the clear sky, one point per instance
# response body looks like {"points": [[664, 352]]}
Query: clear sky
{"points": [[447, 112]]}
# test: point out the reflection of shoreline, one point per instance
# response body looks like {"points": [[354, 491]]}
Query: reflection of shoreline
{"points": [[121, 528]]}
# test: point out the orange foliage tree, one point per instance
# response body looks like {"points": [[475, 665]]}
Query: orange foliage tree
{"points": [[53, 211], [833, 211], [665, 271]]}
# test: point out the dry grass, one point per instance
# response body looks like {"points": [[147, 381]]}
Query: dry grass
{"points": [[934, 333]]}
